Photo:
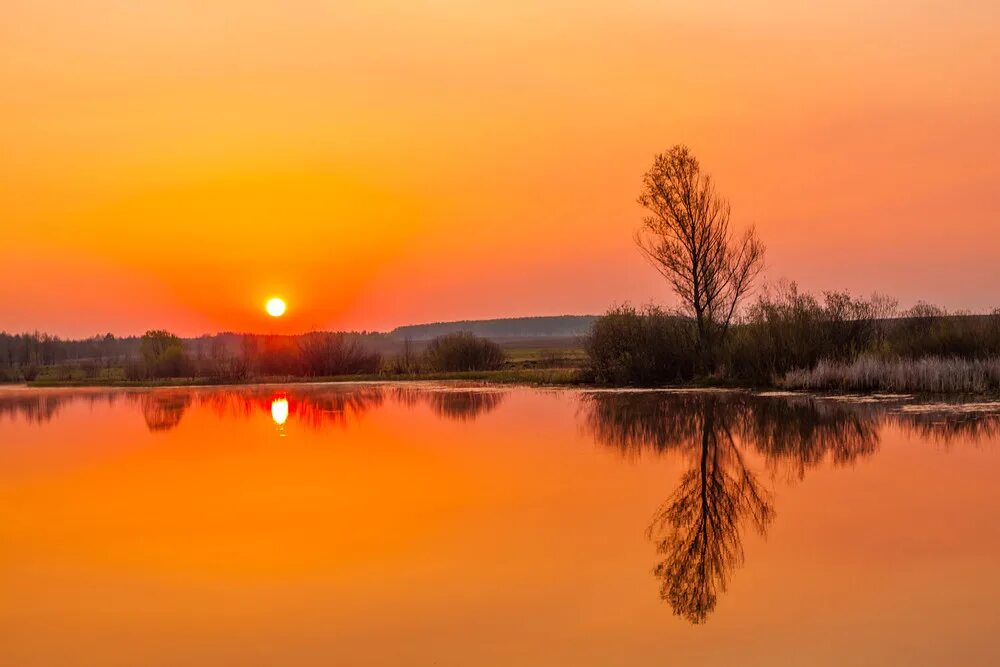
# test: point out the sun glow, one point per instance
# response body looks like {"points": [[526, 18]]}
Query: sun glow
{"points": [[279, 411], [275, 307]]}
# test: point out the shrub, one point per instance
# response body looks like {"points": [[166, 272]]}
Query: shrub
{"points": [[927, 330], [406, 362], [336, 354], [279, 355], [163, 355], [173, 363], [29, 372], [627, 346], [232, 368], [790, 329], [463, 351]]}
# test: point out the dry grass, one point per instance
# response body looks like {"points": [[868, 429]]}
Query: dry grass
{"points": [[929, 374]]}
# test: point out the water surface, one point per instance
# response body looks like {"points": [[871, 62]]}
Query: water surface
{"points": [[448, 525]]}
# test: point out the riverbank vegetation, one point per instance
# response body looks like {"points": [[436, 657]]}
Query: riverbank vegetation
{"points": [[784, 337], [794, 340]]}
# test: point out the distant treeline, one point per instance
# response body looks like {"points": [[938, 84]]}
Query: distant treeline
{"points": [[41, 349], [512, 327], [159, 354]]}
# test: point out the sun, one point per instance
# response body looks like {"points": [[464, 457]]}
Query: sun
{"points": [[275, 307]]}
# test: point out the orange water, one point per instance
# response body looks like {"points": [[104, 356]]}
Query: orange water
{"points": [[381, 525]]}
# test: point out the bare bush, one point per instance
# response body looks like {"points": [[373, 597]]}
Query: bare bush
{"points": [[336, 354], [927, 330], [463, 351], [627, 346], [407, 362], [787, 329]]}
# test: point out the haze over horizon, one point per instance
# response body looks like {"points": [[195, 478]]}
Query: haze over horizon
{"points": [[174, 164]]}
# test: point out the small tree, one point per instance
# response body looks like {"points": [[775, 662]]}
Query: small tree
{"points": [[688, 239], [163, 354]]}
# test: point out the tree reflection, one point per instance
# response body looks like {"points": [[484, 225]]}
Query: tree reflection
{"points": [[43, 405], [459, 404], [698, 531], [163, 410]]}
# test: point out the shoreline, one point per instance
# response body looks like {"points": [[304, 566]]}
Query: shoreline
{"points": [[561, 377], [539, 377]]}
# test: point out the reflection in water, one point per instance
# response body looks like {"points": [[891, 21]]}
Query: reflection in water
{"points": [[698, 530], [459, 404], [279, 411], [316, 406], [163, 410], [41, 406]]}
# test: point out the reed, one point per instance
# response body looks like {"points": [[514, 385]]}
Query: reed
{"points": [[924, 375]]}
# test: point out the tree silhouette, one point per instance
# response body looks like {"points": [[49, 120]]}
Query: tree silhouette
{"points": [[687, 237]]}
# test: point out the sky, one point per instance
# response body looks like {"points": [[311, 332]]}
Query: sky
{"points": [[173, 164]]}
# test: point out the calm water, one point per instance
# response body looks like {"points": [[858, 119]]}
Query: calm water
{"points": [[442, 525]]}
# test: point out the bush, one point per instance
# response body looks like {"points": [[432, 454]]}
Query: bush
{"points": [[231, 368], [29, 372], [173, 363], [627, 346], [336, 354], [463, 351], [163, 355], [790, 329], [279, 355], [927, 330], [406, 362]]}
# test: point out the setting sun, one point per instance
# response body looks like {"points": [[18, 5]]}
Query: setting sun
{"points": [[275, 307]]}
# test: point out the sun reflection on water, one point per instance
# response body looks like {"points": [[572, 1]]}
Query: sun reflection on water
{"points": [[279, 411]]}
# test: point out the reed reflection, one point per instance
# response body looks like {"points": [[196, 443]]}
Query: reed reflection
{"points": [[698, 531]]}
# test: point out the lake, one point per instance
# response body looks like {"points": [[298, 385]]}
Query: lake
{"points": [[439, 524]]}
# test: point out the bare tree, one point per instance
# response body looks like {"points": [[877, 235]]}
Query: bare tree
{"points": [[688, 239]]}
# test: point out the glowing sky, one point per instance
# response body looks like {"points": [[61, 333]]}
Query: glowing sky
{"points": [[175, 163]]}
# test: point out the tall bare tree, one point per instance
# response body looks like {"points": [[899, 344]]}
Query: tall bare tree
{"points": [[688, 238]]}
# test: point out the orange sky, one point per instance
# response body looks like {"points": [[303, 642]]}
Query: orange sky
{"points": [[173, 163]]}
